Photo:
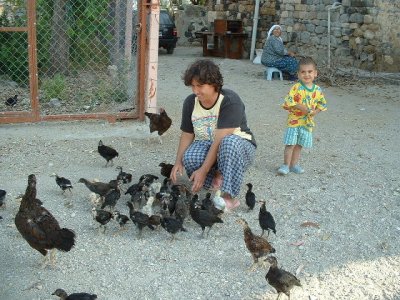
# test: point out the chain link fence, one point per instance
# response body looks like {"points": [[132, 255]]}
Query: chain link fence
{"points": [[86, 56]]}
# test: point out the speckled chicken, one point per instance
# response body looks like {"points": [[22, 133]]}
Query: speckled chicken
{"points": [[283, 281], [107, 152], [265, 219], [102, 217], [250, 197], [257, 246], [121, 219], [202, 217], [63, 183], [39, 227], [166, 169], [122, 176], [74, 296]]}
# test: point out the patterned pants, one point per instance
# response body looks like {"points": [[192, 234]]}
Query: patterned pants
{"points": [[287, 64], [234, 156]]}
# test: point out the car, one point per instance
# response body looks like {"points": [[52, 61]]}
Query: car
{"points": [[167, 36]]}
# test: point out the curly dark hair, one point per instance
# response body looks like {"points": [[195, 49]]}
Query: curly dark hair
{"points": [[204, 71]]}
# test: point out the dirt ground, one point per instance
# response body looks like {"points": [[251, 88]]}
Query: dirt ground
{"points": [[350, 192]]}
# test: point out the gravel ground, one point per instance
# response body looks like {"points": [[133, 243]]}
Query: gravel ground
{"points": [[350, 189]]}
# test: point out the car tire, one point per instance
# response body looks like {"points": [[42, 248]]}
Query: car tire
{"points": [[170, 49]]}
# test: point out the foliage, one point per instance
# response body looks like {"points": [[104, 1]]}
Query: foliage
{"points": [[54, 87]]}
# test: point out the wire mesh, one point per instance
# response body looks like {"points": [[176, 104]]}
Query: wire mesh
{"points": [[86, 55]]}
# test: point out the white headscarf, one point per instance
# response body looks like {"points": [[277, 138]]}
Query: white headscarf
{"points": [[272, 29]]}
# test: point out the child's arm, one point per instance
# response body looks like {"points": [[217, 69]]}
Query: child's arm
{"points": [[302, 108]]}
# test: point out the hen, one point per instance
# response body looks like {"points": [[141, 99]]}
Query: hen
{"points": [[75, 296], [166, 169], [39, 227], [159, 122], [202, 217], [63, 183], [107, 152], [257, 245], [250, 197], [280, 279], [265, 219], [12, 101]]}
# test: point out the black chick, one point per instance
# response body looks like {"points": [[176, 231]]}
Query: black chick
{"points": [[2, 197], [63, 183], [265, 219], [208, 205], [250, 197], [280, 279], [123, 176], [121, 219], [107, 152], [202, 217], [111, 198], [140, 219], [75, 296], [181, 208], [102, 217], [12, 101], [148, 179], [172, 225], [166, 169], [159, 122], [39, 227]]}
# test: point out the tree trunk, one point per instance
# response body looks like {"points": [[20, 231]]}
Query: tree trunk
{"points": [[59, 48]]}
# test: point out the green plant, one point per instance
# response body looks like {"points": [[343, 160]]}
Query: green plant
{"points": [[54, 87]]}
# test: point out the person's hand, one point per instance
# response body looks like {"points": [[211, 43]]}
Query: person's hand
{"points": [[198, 177], [176, 170]]}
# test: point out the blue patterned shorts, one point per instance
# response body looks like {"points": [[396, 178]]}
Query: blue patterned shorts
{"points": [[235, 155], [298, 136]]}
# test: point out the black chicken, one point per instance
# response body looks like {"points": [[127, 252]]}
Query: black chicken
{"points": [[12, 101], [181, 208], [111, 198], [280, 279], [75, 296], [102, 217], [148, 179], [63, 183], [123, 176], [107, 152], [39, 227], [172, 225], [202, 217], [159, 122], [100, 188], [2, 197], [138, 218], [265, 219], [208, 205], [250, 197], [166, 169]]}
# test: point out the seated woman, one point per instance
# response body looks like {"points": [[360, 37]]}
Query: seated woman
{"points": [[276, 55]]}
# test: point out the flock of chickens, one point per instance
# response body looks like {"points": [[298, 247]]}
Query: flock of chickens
{"points": [[152, 204]]}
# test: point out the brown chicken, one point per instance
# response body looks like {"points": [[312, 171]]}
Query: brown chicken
{"points": [[39, 227], [283, 281], [258, 246], [100, 188], [159, 122]]}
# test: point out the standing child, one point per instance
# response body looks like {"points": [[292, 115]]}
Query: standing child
{"points": [[303, 102]]}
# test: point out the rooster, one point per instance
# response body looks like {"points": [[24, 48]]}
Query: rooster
{"points": [[159, 122], [107, 152], [257, 246], [39, 227]]}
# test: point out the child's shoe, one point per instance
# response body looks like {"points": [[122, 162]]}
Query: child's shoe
{"points": [[283, 170], [297, 169]]}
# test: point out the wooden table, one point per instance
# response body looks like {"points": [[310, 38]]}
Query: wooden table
{"points": [[229, 45]]}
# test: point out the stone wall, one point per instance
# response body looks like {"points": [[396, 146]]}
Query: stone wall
{"points": [[363, 33]]}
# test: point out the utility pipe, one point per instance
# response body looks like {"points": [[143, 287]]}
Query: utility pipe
{"points": [[254, 33], [330, 7]]}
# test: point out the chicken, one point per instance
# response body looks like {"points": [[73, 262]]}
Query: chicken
{"points": [[100, 188], [111, 198], [107, 152], [172, 225], [181, 208], [123, 176], [12, 101], [208, 205], [39, 227], [265, 219], [121, 219], [250, 197], [202, 217], [218, 201], [102, 217], [159, 122], [166, 169], [280, 279], [257, 246], [140, 219], [63, 183], [3, 194], [75, 296], [148, 179]]}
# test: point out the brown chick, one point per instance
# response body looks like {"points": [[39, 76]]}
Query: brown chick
{"points": [[39, 227], [100, 188], [258, 246], [283, 281], [159, 122]]}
